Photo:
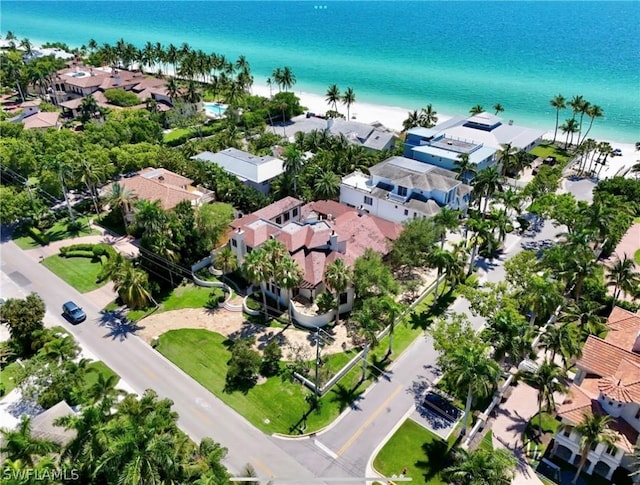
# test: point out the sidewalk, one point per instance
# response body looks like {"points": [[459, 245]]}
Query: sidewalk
{"points": [[508, 429]]}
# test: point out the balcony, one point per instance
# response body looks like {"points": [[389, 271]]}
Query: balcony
{"points": [[397, 198]]}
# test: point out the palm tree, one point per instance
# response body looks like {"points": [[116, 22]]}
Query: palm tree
{"points": [[506, 157], [547, 379], [19, 444], [594, 111], [558, 102], [512, 200], [60, 349], [337, 277], [498, 107], [276, 253], [367, 327], [486, 184], [327, 185], [428, 116], [333, 96], [88, 108], [442, 260], [446, 220], [163, 245], [541, 296], [348, 98], [564, 339], [132, 285], [92, 173], [255, 268], [287, 78], [465, 167], [103, 389], [482, 467], [593, 429], [586, 314], [412, 121], [472, 368], [289, 277], [570, 127], [477, 109], [293, 163], [150, 217], [623, 278], [226, 260], [123, 199]]}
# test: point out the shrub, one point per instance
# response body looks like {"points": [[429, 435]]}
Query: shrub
{"points": [[271, 356], [120, 97], [100, 250], [38, 235], [78, 253], [243, 366], [78, 247]]}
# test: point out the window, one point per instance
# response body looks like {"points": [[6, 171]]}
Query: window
{"points": [[567, 431], [278, 220], [368, 200], [593, 446], [402, 191], [611, 450], [295, 212], [286, 216], [343, 298], [406, 212], [234, 243]]}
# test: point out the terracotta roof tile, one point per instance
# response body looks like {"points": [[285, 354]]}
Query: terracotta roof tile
{"points": [[603, 358], [273, 210], [624, 327], [41, 120], [624, 386], [579, 404]]}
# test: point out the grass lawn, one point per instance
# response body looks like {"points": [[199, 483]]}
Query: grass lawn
{"points": [[175, 134], [636, 256], [100, 368], [8, 376], [58, 232], [81, 273], [535, 442], [487, 441], [420, 451], [545, 150], [183, 296]]}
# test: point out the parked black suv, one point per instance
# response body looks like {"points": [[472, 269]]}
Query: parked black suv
{"points": [[73, 312]]}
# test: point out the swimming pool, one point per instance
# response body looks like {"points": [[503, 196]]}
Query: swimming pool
{"points": [[214, 109]]}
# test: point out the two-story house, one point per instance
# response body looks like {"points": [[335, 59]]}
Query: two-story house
{"points": [[607, 382], [315, 235], [400, 188], [480, 137]]}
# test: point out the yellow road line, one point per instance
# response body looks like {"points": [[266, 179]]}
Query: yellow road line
{"points": [[150, 373], [364, 426], [263, 467], [201, 415]]}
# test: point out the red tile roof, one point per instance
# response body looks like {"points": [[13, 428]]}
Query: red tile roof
{"points": [[624, 327], [624, 386], [603, 358], [579, 403], [41, 120]]}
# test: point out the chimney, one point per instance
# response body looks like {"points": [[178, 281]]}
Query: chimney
{"points": [[238, 245], [360, 211], [333, 241]]}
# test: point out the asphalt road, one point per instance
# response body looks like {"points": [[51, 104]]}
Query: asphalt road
{"points": [[343, 450]]}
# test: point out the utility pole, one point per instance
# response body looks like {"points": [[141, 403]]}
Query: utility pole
{"points": [[317, 361]]}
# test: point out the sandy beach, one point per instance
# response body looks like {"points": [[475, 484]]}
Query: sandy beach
{"points": [[393, 116]]}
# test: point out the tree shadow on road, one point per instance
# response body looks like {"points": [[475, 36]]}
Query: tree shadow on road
{"points": [[346, 397], [118, 324]]}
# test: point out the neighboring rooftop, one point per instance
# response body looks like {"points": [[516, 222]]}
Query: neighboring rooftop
{"points": [[244, 165], [42, 426]]}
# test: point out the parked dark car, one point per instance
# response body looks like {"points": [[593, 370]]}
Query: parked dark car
{"points": [[73, 312]]}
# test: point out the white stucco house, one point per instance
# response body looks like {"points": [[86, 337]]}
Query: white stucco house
{"points": [[400, 188], [252, 170], [607, 382], [480, 136]]}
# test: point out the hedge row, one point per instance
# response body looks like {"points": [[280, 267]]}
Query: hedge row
{"points": [[78, 253], [194, 133], [89, 250], [39, 236]]}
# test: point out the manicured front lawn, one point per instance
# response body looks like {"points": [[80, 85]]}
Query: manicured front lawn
{"points": [[8, 376], [422, 453], [183, 296], [177, 133], [536, 442], [81, 273], [58, 232]]}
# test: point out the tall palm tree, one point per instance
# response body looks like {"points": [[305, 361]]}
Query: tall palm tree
{"points": [[255, 268], [623, 278], [541, 296], [446, 220], [92, 173], [593, 429], [507, 157], [289, 277], [466, 169], [226, 260], [333, 96], [412, 121], [442, 260], [20, 444], [288, 79], [472, 368], [293, 163], [150, 217], [594, 111], [327, 185], [570, 127], [88, 108], [498, 108], [60, 349], [120, 197], [337, 277], [428, 116], [367, 326], [132, 285], [563, 339], [276, 253], [512, 200], [477, 109], [348, 98], [486, 184], [586, 314], [558, 102], [547, 379]]}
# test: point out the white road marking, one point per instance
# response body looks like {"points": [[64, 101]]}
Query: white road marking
{"points": [[325, 449]]}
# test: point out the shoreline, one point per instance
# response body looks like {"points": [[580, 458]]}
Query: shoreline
{"points": [[393, 116]]}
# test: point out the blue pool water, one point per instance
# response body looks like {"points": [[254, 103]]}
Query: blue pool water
{"points": [[215, 109]]}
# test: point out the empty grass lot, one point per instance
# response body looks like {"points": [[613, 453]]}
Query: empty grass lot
{"points": [[81, 273], [58, 232], [183, 296]]}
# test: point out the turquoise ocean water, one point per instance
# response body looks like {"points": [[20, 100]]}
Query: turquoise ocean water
{"points": [[453, 54]]}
